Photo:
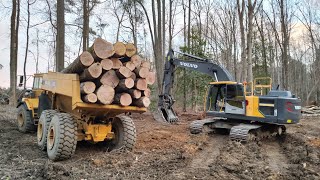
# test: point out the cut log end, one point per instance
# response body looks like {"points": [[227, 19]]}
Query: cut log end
{"points": [[110, 78], [106, 64], [146, 64], [135, 94], [140, 84], [120, 49], [142, 72], [103, 49], [147, 92], [142, 102], [130, 65], [87, 87], [123, 99], [90, 98], [105, 94], [123, 72], [116, 63], [86, 58], [130, 49], [151, 78], [136, 59], [92, 72]]}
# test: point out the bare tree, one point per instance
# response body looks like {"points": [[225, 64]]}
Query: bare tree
{"points": [[60, 39], [15, 19], [241, 11]]}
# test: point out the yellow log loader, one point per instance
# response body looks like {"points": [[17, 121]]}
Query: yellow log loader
{"points": [[55, 110]]}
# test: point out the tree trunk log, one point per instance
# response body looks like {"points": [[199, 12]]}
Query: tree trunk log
{"points": [[101, 49], [136, 59], [130, 65], [135, 94], [92, 72], [124, 85], [130, 50], [151, 78], [123, 72], [146, 92], [142, 72], [90, 98], [123, 99], [120, 49], [146, 64], [140, 84], [116, 63], [106, 64], [105, 94], [78, 65], [87, 87], [142, 102], [109, 78]]}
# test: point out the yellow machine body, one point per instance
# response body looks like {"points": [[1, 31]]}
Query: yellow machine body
{"points": [[64, 93]]}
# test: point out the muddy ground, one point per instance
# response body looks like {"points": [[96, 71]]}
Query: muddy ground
{"points": [[167, 152]]}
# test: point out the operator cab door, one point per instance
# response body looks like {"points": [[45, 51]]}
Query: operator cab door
{"points": [[235, 99]]}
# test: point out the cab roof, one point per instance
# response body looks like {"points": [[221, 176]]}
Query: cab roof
{"points": [[223, 82]]}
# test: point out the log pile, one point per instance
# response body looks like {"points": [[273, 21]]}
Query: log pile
{"points": [[113, 74], [312, 110]]}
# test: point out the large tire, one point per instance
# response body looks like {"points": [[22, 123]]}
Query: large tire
{"points": [[43, 126], [62, 137], [125, 133], [25, 120]]}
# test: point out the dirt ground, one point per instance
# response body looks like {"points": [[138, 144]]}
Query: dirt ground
{"points": [[167, 152]]}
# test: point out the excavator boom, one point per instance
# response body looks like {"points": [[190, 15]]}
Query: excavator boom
{"points": [[206, 66]]}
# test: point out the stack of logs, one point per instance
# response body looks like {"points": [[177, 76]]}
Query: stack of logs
{"points": [[113, 74]]}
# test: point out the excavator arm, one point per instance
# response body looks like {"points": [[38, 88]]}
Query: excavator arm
{"points": [[191, 62]]}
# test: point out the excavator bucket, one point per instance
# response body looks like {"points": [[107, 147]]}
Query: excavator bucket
{"points": [[166, 113]]}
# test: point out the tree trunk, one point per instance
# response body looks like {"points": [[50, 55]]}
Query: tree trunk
{"points": [[85, 28], [142, 102], [123, 99], [27, 46], [78, 65], [60, 41], [92, 72], [105, 94], [240, 8], [109, 78], [285, 44], [130, 49], [119, 49], [87, 87], [90, 98], [14, 47]]}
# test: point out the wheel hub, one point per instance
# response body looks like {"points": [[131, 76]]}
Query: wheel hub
{"points": [[40, 131], [51, 137]]}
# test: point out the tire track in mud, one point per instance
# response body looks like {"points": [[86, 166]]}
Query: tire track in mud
{"points": [[275, 158], [209, 153]]}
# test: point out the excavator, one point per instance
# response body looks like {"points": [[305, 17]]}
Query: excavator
{"points": [[247, 111]]}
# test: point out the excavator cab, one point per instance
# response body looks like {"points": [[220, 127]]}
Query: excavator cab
{"points": [[226, 97]]}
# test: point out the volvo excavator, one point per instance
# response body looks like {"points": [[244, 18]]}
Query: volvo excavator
{"points": [[247, 111]]}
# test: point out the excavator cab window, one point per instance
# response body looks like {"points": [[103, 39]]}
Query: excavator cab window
{"points": [[216, 98], [235, 99]]}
